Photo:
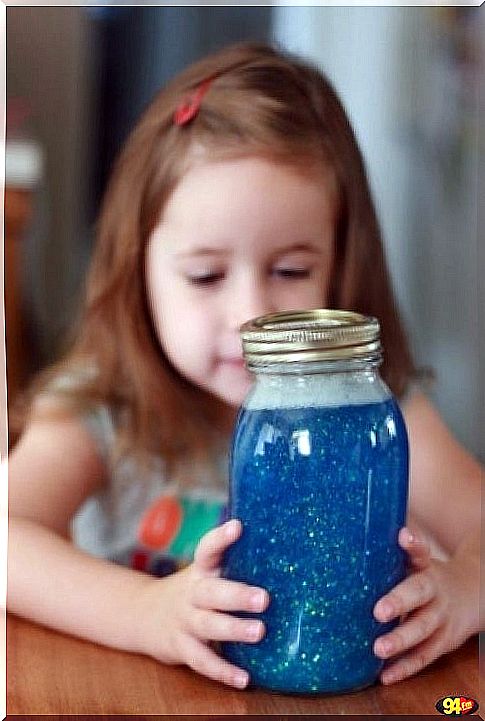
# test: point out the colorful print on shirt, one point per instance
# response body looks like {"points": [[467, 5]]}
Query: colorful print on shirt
{"points": [[170, 530]]}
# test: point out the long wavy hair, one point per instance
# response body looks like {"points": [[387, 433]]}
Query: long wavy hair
{"points": [[261, 102]]}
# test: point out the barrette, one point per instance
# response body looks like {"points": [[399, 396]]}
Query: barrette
{"points": [[188, 109]]}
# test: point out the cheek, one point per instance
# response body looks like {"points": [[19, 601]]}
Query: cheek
{"points": [[319, 289], [305, 295], [183, 327]]}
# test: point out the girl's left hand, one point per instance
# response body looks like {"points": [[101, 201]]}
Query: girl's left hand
{"points": [[437, 601]]}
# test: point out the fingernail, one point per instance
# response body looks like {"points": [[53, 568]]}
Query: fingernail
{"points": [[258, 600], [385, 611], [230, 528], [411, 537], [385, 647], [241, 679], [253, 631]]}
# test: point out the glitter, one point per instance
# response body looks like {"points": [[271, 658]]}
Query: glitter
{"points": [[316, 535]]}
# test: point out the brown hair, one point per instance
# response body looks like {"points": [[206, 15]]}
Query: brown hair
{"points": [[263, 102]]}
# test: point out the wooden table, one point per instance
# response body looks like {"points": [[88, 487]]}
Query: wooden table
{"points": [[50, 673]]}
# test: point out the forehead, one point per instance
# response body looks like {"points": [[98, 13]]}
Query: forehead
{"points": [[254, 196]]}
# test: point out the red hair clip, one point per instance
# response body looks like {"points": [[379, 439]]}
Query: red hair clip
{"points": [[188, 109]]}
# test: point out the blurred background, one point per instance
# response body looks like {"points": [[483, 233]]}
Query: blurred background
{"points": [[410, 77]]}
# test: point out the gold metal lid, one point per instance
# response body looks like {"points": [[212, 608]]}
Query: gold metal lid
{"points": [[302, 336]]}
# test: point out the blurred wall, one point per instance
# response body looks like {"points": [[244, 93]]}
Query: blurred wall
{"points": [[481, 243], [87, 77], [141, 49], [87, 73], [413, 102], [50, 59]]}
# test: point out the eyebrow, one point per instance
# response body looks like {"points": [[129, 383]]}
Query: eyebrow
{"points": [[215, 252], [197, 252]]}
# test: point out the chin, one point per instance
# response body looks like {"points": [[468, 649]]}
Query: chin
{"points": [[232, 386], [234, 394], [232, 399]]}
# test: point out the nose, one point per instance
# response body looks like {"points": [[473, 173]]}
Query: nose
{"points": [[249, 298]]}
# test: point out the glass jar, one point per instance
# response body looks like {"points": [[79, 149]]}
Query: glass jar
{"points": [[319, 479]]}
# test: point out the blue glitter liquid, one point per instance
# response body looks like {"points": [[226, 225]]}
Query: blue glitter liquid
{"points": [[322, 494]]}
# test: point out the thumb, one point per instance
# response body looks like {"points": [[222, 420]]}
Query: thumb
{"points": [[211, 547], [416, 546]]}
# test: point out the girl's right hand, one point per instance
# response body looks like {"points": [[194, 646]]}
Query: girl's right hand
{"points": [[187, 611]]}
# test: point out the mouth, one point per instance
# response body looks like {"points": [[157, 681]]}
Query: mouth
{"points": [[237, 362]]}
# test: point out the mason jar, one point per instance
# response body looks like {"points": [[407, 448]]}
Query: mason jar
{"points": [[319, 479]]}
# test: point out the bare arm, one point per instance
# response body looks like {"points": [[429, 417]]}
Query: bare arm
{"points": [[445, 480], [440, 598], [53, 469], [446, 484]]}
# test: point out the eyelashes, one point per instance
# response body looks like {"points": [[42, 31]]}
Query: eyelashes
{"points": [[210, 279], [295, 273], [206, 279]]}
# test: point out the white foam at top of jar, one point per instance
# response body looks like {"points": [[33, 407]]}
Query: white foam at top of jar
{"points": [[317, 390]]}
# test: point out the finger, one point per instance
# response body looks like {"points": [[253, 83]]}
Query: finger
{"points": [[415, 591], [420, 626], [414, 661], [416, 547], [208, 554], [203, 660], [222, 595], [213, 626]]}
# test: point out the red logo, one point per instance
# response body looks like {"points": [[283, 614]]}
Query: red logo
{"points": [[468, 705]]}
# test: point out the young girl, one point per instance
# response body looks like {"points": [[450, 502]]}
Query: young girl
{"points": [[240, 192]]}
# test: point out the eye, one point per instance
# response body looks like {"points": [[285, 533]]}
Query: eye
{"points": [[205, 279], [292, 273]]}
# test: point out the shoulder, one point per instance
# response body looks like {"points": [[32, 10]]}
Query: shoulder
{"points": [[419, 412], [445, 479], [54, 467], [430, 437], [68, 394]]}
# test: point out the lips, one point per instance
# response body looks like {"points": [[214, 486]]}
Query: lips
{"points": [[234, 362]]}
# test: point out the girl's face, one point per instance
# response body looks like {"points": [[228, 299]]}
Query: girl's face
{"points": [[238, 239]]}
